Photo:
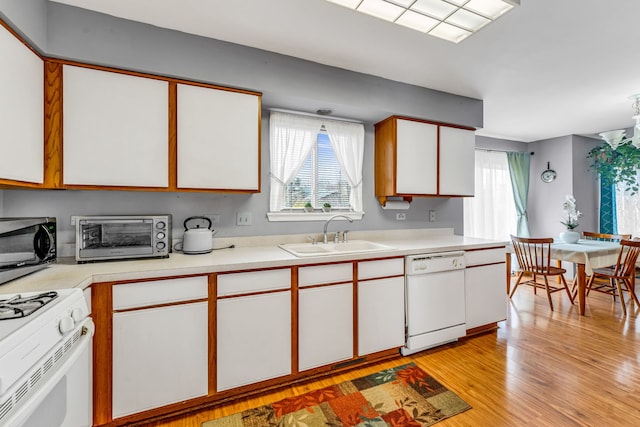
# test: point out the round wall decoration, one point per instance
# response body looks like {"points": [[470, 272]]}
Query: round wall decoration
{"points": [[548, 175]]}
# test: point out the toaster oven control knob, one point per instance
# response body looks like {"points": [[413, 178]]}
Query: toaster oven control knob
{"points": [[161, 225], [160, 235], [160, 245], [77, 314], [66, 325]]}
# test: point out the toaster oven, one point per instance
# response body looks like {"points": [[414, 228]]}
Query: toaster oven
{"points": [[103, 238]]}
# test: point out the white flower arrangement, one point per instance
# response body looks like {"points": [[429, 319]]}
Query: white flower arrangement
{"points": [[572, 213]]}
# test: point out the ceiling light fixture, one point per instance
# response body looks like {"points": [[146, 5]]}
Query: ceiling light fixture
{"points": [[616, 138], [452, 20]]}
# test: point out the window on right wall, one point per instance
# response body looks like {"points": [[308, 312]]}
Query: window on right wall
{"points": [[314, 161], [627, 207]]}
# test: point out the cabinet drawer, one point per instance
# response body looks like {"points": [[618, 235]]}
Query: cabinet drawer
{"points": [[253, 281], [380, 268], [320, 274], [484, 256], [156, 292]]}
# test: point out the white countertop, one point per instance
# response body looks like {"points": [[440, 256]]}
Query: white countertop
{"points": [[249, 253]]}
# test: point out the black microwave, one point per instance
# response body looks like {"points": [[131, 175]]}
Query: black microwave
{"points": [[26, 245]]}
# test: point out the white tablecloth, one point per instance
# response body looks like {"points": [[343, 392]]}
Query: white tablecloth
{"points": [[591, 253]]}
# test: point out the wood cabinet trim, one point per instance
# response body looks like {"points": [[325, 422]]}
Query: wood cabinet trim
{"points": [[168, 304], [173, 136], [213, 333], [151, 76], [432, 122], [101, 307], [53, 159], [252, 294]]}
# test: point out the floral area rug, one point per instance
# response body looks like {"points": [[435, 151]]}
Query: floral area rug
{"points": [[404, 396]]}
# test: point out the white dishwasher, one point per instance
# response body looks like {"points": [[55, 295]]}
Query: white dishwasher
{"points": [[435, 300]]}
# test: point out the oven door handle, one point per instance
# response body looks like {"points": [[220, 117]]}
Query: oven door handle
{"points": [[36, 395]]}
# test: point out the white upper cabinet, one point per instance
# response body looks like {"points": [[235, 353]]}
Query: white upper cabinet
{"points": [[115, 129], [218, 139], [21, 111], [457, 161], [417, 160]]}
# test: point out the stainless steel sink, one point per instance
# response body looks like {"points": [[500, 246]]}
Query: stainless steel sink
{"points": [[320, 249]]}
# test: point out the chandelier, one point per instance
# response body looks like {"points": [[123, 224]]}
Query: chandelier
{"points": [[616, 138]]}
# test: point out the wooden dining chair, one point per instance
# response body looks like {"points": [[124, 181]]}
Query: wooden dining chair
{"points": [[605, 237], [534, 258], [620, 277]]}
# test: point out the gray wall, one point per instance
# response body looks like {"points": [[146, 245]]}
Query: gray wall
{"points": [[567, 156], [28, 18]]}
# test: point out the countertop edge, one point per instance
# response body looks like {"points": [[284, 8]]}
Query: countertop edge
{"points": [[67, 274]]}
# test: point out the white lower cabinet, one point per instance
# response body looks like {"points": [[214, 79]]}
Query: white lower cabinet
{"points": [[380, 315], [485, 289], [325, 325], [159, 357], [253, 339]]}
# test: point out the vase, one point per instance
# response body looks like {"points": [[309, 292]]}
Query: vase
{"points": [[570, 236]]}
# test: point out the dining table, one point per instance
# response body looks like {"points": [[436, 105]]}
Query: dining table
{"points": [[585, 254]]}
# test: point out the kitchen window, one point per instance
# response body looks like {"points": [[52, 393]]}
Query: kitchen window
{"points": [[314, 161]]}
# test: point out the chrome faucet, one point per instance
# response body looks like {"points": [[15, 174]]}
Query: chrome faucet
{"points": [[326, 224]]}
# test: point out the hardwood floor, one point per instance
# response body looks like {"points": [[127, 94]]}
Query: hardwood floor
{"points": [[540, 368]]}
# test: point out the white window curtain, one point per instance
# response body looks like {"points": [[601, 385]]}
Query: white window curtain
{"points": [[347, 140], [628, 211], [491, 214], [291, 139]]}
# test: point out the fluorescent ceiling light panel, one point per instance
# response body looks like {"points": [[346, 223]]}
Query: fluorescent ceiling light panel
{"points": [[417, 21], [452, 20], [436, 8], [450, 32], [469, 20], [403, 3], [489, 8], [351, 4], [381, 9]]}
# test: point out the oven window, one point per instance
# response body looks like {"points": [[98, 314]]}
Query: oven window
{"points": [[117, 235]]}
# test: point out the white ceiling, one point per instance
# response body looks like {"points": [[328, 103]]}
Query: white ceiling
{"points": [[547, 68]]}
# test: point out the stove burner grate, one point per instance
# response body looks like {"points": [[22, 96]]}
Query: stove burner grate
{"points": [[19, 306]]}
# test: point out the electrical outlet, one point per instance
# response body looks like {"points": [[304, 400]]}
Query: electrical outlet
{"points": [[432, 216], [243, 218], [401, 216], [215, 218]]}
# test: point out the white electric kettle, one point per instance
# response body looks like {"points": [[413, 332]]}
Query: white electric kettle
{"points": [[197, 240]]}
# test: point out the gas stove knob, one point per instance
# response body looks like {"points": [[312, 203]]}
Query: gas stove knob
{"points": [[66, 325], [77, 314]]}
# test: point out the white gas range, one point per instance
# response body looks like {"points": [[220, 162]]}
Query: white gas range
{"points": [[45, 363]]}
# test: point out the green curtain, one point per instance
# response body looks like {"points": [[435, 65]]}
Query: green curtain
{"points": [[608, 220], [519, 164]]}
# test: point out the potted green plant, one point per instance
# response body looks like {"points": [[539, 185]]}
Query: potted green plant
{"points": [[326, 207], [616, 165], [308, 207]]}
